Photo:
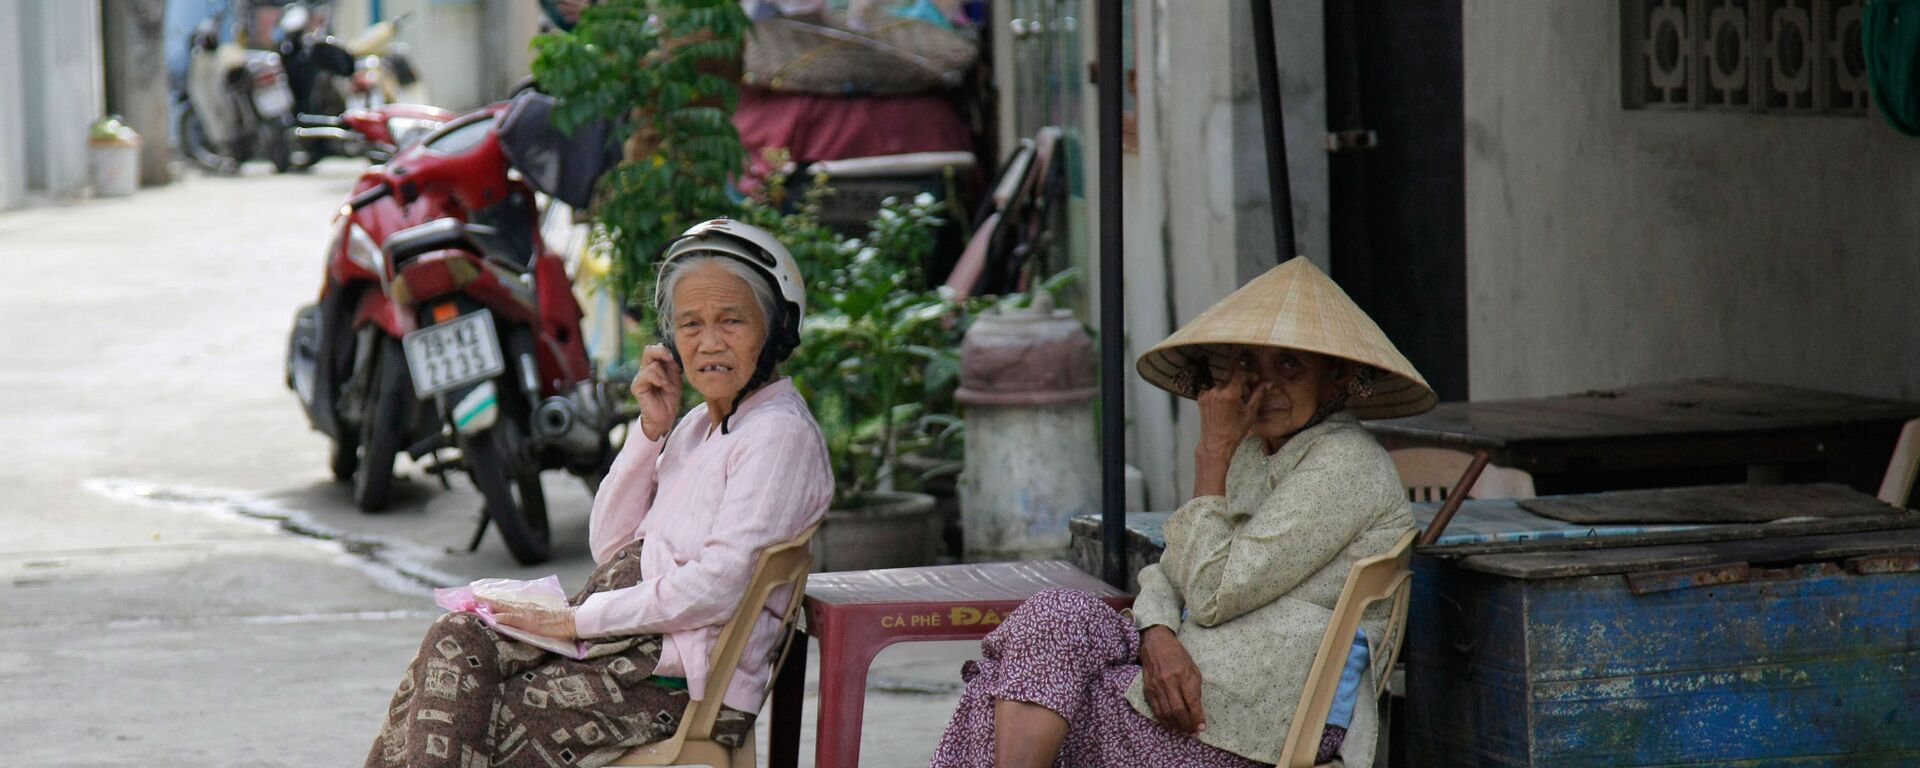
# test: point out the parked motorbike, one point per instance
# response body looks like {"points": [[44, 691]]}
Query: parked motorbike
{"points": [[445, 324], [237, 105], [313, 66], [326, 76], [382, 67]]}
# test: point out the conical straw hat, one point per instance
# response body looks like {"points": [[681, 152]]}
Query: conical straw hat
{"points": [[1293, 306]]}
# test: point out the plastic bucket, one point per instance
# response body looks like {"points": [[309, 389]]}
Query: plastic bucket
{"points": [[115, 166]]}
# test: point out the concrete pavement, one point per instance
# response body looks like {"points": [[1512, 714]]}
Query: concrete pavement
{"points": [[182, 582]]}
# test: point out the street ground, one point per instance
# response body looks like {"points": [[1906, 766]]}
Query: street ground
{"points": [[182, 582]]}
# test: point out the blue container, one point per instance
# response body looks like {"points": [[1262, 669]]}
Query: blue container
{"points": [[1801, 651]]}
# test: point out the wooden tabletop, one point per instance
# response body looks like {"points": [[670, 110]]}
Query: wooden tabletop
{"points": [[1891, 549], [1671, 408], [1769, 525], [1707, 505], [1667, 427]]}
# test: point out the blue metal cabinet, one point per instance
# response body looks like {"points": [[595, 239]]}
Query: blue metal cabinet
{"points": [[1773, 651]]}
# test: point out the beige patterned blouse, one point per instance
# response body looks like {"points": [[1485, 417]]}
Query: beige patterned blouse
{"points": [[1257, 573]]}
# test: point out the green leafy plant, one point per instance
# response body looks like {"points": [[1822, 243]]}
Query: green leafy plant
{"points": [[655, 67]]}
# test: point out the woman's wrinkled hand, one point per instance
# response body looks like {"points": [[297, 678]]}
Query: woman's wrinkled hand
{"points": [[657, 387], [551, 622], [1227, 412], [1172, 681]]}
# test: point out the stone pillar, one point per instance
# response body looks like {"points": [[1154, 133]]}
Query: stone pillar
{"points": [[136, 78]]}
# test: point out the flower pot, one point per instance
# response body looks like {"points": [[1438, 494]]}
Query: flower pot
{"points": [[877, 529]]}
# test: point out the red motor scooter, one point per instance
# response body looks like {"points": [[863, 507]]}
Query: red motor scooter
{"points": [[446, 323]]}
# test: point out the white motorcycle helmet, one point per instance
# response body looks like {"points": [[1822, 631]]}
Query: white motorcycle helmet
{"points": [[759, 249]]}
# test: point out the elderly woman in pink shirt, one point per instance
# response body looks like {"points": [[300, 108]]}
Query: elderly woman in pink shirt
{"points": [[676, 530]]}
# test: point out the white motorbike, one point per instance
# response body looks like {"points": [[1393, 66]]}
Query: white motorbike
{"points": [[238, 106]]}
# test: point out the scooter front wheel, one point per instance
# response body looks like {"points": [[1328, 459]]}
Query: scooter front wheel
{"points": [[277, 135], [511, 485], [344, 460]]}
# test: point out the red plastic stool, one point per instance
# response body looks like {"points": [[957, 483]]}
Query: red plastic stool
{"points": [[855, 614]]}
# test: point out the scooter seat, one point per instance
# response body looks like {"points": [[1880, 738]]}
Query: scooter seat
{"points": [[445, 234]]}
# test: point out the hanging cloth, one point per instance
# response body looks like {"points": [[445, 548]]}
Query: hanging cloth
{"points": [[1890, 34]]}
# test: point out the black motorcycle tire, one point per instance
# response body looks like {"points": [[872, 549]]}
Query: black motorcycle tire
{"points": [[279, 140], [595, 475], [511, 484], [384, 427], [198, 148], [308, 154], [344, 460]]}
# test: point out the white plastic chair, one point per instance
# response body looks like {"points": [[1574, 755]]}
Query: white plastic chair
{"points": [[1898, 484], [1429, 474], [1382, 577], [693, 744]]}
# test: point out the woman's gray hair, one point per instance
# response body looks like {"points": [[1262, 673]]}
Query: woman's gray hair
{"points": [[674, 270]]}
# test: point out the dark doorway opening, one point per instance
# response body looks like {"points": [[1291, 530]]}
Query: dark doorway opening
{"points": [[1396, 127]]}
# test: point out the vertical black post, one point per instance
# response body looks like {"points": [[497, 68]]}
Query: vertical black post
{"points": [[1113, 371], [1279, 187]]}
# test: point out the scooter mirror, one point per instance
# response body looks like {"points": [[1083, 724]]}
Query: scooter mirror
{"points": [[294, 20], [332, 59]]}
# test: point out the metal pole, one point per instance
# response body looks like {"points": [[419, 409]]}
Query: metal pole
{"points": [[1279, 186], [1113, 403]]}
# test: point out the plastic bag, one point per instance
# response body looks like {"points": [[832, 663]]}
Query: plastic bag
{"points": [[545, 593]]}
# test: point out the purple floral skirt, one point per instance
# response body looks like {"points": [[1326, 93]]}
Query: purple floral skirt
{"points": [[1069, 652]]}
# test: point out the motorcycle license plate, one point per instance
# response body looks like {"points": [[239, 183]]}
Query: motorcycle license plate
{"points": [[273, 101], [454, 353]]}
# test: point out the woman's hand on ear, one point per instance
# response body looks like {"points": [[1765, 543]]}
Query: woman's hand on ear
{"points": [[657, 387], [1227, 413]]}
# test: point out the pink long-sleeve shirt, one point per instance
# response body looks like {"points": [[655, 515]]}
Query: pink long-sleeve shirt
{"points": [[707, 507]]}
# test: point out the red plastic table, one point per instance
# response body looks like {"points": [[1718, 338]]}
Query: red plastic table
{"points": [[855, 614]]}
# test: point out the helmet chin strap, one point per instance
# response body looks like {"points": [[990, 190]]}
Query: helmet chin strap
{"points": [[780, 344]]}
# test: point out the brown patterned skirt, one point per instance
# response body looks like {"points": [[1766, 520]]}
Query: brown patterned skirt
{"points": [[472, 698]]}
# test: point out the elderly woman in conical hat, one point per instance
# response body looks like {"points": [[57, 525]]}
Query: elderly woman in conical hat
{"points": [[1288, 492]]}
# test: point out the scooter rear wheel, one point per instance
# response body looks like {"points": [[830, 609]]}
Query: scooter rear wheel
{"points": [[198, 147], [511, 484]]}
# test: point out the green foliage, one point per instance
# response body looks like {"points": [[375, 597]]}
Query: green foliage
{"points": [[647, 64]]}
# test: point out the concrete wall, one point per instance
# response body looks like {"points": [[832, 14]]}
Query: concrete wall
{"points": [[469, 53], [13, 118], [1198, 221], [1607, 246], [60, 55]]}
